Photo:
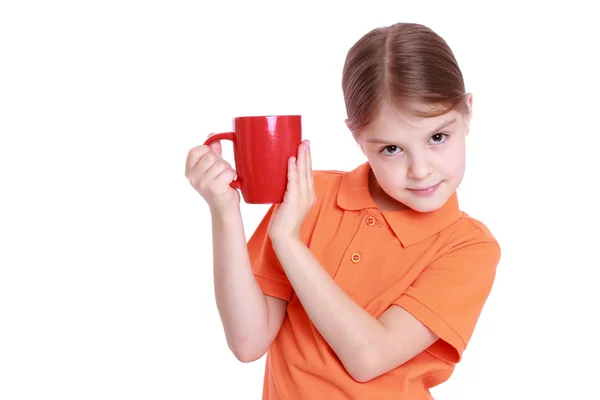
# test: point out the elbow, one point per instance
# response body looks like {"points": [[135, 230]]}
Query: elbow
{"points": [[246, 353], [364, 369], [247, 357], [371, 366], [362, 374]]}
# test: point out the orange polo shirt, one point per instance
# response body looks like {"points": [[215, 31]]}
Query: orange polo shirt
{"points": [[438, 266]]}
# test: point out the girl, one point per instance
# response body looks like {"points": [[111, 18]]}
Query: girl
{"points": [[365, 284]]}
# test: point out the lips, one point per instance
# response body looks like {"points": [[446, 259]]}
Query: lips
{"points": [[426, 191]]}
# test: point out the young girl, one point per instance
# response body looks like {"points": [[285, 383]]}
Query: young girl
{"points": [[365, 284]]}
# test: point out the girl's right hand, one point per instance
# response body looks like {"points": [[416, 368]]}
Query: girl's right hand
{"points": [[211, 176]]}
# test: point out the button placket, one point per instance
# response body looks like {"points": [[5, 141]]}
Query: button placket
{"points": [[357, 253]]}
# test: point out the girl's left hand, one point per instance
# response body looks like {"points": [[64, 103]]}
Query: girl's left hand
{"points": [[298, 199]]}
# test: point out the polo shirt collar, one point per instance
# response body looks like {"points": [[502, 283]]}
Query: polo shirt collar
{"points": [[408, 225]]}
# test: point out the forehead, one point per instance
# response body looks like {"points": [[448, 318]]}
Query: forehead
{"points": [[391, 120]]}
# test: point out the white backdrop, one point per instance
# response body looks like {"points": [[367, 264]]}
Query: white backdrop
{"points": [[105, 253]]}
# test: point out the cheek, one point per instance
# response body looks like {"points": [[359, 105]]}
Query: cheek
{"points": [[453, 161], [389, 174]]}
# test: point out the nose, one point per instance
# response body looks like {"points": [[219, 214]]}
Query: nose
{"points": [[420, 167]]}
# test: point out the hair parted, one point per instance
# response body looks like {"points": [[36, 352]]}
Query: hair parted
{"points": [[405, 64]]}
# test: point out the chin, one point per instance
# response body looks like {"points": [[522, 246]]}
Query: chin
{"points": [[425, 204]]}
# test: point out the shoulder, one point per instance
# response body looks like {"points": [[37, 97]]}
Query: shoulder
{"points": [[327, 182], [476, 228], [471, 238], [327, 178]]}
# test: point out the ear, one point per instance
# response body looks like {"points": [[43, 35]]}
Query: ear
{"points": [[469, 114]]}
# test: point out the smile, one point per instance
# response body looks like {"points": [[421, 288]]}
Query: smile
{"points": [[425, 191]]}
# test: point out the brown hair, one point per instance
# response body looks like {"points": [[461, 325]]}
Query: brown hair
{"points": [[404, 63]]}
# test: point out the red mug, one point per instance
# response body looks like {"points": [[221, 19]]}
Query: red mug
{"points": [[262, 146]]}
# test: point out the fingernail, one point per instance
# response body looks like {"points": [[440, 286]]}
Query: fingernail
{"points": [[307, 143]]}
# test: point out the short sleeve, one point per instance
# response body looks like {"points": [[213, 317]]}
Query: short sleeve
{"points": [[449, 295], [266, 267]]}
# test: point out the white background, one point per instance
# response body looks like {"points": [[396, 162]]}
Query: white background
{"points": [[105, 254]]}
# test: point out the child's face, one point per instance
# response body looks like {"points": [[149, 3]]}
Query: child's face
{"points": [[416, 161]]}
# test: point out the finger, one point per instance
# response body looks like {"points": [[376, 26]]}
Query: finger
{"points": [[216, 145], [194, 155], [208, 160], [215, 169], [292, 185], [301, 168], [309, 172], [226, 176]]}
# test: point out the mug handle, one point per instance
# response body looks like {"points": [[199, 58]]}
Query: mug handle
{"points": [[224, 136]]}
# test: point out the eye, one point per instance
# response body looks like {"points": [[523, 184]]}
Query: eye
{"points": [[438, 138], [390, 150]]}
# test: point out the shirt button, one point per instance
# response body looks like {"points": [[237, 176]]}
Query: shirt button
{"points": [[355, 258], [370, 220]]}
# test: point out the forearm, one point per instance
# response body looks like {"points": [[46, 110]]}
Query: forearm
{"points": [[351, 331], [240, 301]]}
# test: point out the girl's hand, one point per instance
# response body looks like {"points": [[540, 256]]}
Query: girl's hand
{"points": [[298, 199], [211, 176]]}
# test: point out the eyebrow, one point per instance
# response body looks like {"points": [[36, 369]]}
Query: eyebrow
{"points": [[443, 125]]}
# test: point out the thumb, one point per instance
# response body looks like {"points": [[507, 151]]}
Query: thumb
{"points": [[216, 146]]}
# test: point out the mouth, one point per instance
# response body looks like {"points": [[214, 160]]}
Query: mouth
{"points": [[426, 191]]}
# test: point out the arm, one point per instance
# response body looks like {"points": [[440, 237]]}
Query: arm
{"points": [[447, 297], [250, 319], [366, 346]]}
